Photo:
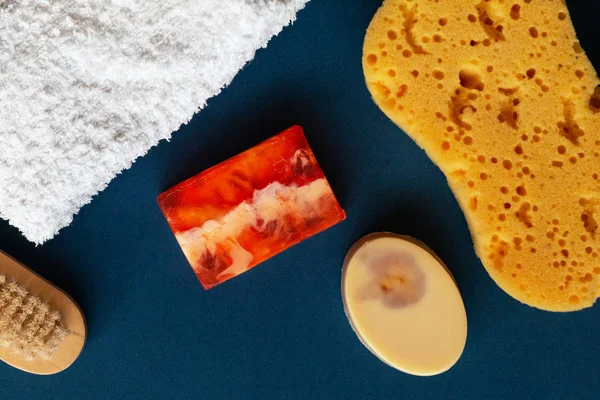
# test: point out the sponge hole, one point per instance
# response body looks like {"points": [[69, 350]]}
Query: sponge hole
{"points": [[470, 79], [534, 32], [437, 74], [519, 149], [473, 203], [515, 12], [595, 100]]}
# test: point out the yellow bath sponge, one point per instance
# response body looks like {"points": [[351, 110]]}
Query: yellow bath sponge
{"points": [[503, 99]]}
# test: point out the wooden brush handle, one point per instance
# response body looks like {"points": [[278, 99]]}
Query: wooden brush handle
{"points": [[72, 319]]}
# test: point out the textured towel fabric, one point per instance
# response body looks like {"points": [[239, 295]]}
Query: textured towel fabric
{"points": [[88, 86]]}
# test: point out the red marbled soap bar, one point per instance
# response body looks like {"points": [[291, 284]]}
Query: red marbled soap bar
{"points": [[247, 209]]}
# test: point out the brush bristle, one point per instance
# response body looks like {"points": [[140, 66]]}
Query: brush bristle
{"points": [[27, 324]]}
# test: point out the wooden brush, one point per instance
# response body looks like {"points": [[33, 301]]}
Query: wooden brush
{"points": [[42, 330]]}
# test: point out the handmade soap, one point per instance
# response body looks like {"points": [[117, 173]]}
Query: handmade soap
{"points": [[403, 304], [243, 211]]}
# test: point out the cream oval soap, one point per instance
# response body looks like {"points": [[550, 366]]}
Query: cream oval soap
{"points": [[404, 304]]}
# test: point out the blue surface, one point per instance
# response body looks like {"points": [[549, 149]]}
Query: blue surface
{"points": [[279, 331]]}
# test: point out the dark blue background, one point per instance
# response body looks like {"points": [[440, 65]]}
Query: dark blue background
{"points": [[279, 331]]}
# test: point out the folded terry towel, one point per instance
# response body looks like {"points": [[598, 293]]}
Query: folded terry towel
{"points": [[87, 86]]}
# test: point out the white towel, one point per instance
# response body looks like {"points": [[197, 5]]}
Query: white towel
{"points": [[87, 86]]}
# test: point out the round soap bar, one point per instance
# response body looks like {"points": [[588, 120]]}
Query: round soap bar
{"points": [[404, 304]]}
